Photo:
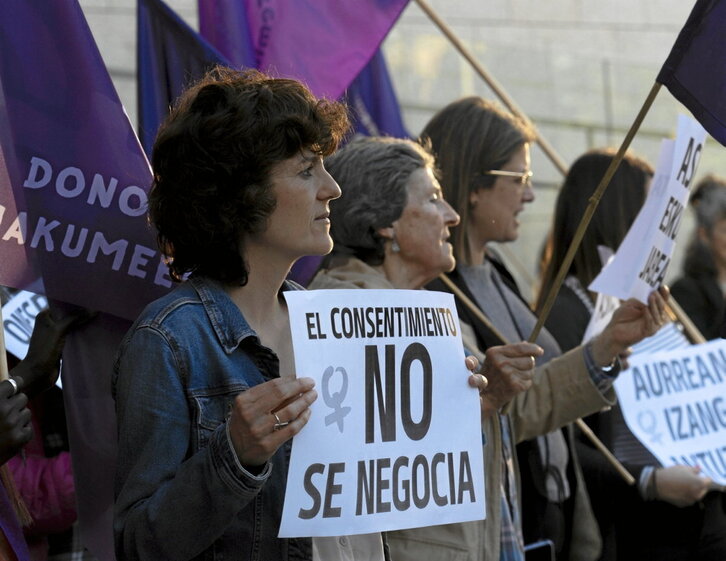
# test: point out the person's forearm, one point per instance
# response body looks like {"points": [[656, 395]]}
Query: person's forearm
{"points": [[179, 518]]}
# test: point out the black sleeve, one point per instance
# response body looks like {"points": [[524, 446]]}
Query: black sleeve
{"points": [[691, 296], [568, 319]]}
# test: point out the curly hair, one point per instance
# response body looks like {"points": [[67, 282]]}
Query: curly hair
{"points": [[469, 137], [212, 160], [373, 173]]}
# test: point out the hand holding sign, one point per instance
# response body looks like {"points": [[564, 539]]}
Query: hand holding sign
{"points": [[681, 485], [16, 429], [509, 370], [252, 424], [395, 440], [631, 323], [476, 380], [40, 367]]}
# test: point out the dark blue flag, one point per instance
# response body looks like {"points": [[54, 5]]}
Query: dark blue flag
{"points": [[373, 102], [170, 55], [695, 71], [226, 26]]}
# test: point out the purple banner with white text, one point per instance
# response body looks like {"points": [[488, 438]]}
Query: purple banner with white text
{"points": [[73, 177]]}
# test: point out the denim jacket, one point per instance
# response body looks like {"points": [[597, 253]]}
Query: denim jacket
{"points": [[181, 492]]}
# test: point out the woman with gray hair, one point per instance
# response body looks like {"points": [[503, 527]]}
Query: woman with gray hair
{"points": [[390, 229], [701, 289]]}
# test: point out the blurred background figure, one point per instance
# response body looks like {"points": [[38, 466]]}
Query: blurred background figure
{"points": [[701, 288], [618, 208], [670, 514], [34, 442]]}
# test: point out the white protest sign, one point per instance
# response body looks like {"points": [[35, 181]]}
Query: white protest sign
{"points": [[674, 402], [394, 440], [641, 262], [18, 321], [605, 305]]}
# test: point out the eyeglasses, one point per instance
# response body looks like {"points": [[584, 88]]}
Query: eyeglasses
{"points": [[521, 177]]}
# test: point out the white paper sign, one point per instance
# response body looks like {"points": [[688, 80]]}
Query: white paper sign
{"points": [[675, 403], [394, 440], [18, 321], [642, 259], [605, 305]]}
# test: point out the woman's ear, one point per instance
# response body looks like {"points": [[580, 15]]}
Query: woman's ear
{"points": [[703, 235], [387, 233], [473, 198]]}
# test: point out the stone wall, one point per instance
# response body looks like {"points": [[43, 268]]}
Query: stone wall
{"points": [[581, 70]]}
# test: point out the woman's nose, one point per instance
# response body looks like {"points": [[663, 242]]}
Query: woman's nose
{"points": [[451, 217]]}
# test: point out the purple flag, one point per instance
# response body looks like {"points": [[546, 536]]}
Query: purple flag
{"points": [[73, 187], [695, 71], [373, 103], [170, 55], [225, 25], [323, 43], [318, 49]]}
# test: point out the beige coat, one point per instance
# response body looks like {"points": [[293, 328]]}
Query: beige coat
{"points": [[562, 392]]}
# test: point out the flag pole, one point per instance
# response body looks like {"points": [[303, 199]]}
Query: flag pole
{"points": [[590, 211], [556, 160], [4, 373], [473, 308], [492, 83]]}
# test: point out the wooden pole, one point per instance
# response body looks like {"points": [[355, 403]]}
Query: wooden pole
{"points": [[589, 211], [587, 431], [625, 474], [473, 308], [688, 325], [692, 332], [556, 160], [492, 83]]}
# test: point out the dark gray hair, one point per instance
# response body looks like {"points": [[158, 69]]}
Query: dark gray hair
{"points": [[709, 203], [372, 173]]}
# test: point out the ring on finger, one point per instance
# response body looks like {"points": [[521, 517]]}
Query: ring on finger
{"points": [[14, 384], [278, 423]]}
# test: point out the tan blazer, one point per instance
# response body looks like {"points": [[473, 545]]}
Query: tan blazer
{"points": [[563, 391]]}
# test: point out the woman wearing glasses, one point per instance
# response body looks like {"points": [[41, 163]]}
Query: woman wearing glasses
{"points": [[483, 155]]}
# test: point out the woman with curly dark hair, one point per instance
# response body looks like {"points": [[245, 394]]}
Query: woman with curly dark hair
{"points": [[206, 394]]}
